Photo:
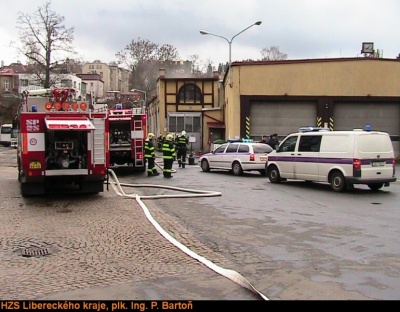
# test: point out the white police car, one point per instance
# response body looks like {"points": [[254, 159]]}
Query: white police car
{"points": [[237, 157]]}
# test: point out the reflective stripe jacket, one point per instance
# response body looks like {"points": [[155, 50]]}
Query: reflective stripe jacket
{"points": [[182, 141], [168, 150], [149, 149]]}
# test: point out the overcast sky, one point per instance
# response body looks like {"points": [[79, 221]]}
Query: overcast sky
{"points": [[302, 29]]}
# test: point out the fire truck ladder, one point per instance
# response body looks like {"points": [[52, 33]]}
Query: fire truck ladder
{"points": [[137, 136], [98, 141]]}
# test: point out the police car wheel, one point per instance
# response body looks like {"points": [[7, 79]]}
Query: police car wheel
{"points": [[205, 166], [237, 169]]}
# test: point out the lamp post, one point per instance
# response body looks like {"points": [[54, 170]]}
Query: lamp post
{"points": [[145, 96], [205, 32]]}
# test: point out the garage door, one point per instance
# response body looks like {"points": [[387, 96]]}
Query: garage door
{"points": [[383, 117], [280, 118]]}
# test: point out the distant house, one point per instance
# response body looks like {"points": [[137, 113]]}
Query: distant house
{"points": [[94, 86], [9, 78]]}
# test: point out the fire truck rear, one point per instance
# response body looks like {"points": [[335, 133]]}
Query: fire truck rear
{"points": [[62, 144], [127, 135]]}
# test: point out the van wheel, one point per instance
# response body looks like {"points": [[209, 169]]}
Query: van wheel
{"points": [[375, 186], [274, 175], [337, 182], [205, 166], [237, 169]]}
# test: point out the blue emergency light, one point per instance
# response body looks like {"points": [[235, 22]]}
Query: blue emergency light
{"points": [[367, 127], [34, 108], [118, 106]]}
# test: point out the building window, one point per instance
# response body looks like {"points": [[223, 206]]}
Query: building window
{"points": [[188, 123], [189, 93], [66, 83], [24, 82], [6, 85], [101, 75]]}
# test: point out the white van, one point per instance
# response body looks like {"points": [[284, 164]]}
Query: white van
{"points": [[5, 134], [340, 158]]}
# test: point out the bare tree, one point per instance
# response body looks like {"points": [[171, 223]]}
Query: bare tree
{"points": [[272, 54], [45, 41], [144, 58]]}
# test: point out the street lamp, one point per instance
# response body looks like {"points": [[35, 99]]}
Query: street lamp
{"points": [[145, 96], [205, 32]]}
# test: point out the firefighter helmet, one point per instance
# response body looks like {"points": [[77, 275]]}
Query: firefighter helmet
{"points": [[169, 137], [183, 132], [151, 136]]}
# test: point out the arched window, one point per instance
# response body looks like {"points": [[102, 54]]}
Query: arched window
{"points": [[189, 93]]}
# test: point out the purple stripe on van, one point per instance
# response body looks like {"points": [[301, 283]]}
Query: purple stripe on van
{"points": [[325, 160]]}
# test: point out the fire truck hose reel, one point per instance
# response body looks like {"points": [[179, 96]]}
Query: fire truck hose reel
{"points": [[230, 274]]}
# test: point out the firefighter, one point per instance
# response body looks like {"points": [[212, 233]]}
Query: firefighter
{"points": [[168, 155], [182, 142], [150, 156], [160, 141]]}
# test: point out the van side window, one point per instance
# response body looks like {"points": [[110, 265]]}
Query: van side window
{"points": [[310, 143], [288, 145]]}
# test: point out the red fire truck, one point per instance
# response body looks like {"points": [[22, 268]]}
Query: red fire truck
{"points": [[62, 143], [128, 131]]}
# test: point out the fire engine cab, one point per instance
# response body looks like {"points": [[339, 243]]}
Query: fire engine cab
{"points": [[62, 143]]}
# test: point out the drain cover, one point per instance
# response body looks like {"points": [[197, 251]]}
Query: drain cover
{"points": [[35, 252]]}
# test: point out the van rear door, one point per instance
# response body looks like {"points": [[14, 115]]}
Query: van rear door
{"points": [[376, 153]]}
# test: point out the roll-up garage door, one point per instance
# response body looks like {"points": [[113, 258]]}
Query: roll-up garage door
{"points": [[381, 116], [281, 117]]}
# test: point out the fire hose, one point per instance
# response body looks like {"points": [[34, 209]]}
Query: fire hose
{"points": [[228, 273]]}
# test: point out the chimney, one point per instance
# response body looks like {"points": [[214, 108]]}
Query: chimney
{"points": [[162, 72], [216, 74]]}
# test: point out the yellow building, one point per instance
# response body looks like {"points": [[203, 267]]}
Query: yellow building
{"points": [[261, 98], [189, 104], [342, 94]]}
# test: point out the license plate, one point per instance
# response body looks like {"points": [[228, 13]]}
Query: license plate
{"points": [[378, 163], [35, 165], [263, 158]]}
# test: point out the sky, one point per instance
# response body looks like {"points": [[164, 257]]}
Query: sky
{"points": [[302, 29]]}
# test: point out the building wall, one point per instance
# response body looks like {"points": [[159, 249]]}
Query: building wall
{"points": [[167, 101], [355, 77], [95, 87], [100, 68]]}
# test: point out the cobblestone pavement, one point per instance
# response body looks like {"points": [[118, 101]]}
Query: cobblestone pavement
{"points": [[99, 247]]}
